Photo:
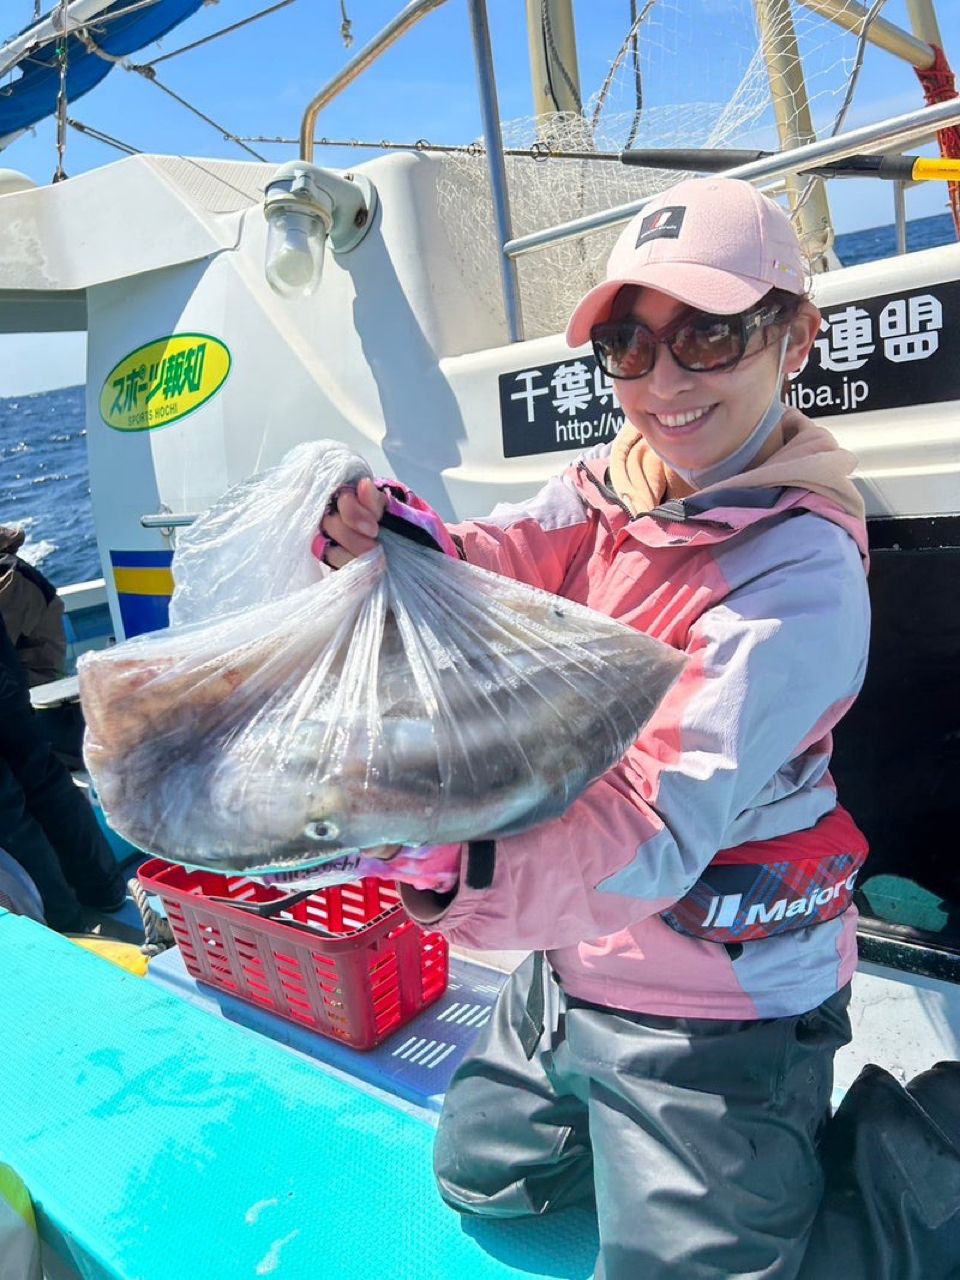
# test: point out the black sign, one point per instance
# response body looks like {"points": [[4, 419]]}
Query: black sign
{"points": [[568, 405], [883, 353], [872, 353]]}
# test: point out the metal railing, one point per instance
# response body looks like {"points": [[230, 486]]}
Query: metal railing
{"points": [[369, 54], [852, 16], [490, 113], [891, 135]]}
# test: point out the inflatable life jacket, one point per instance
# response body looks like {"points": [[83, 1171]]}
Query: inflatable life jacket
{"points": [[767, 887]]}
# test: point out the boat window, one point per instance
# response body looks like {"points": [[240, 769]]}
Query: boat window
{"points": [[897, 752]]}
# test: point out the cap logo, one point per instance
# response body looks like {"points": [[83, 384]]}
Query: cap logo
{"points": [[664, 224]]}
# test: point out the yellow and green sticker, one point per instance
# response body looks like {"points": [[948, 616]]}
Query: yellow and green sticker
{"points": [[164, 380]]}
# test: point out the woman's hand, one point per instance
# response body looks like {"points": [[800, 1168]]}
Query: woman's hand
{"points": [[431, 867], [353, 525]]}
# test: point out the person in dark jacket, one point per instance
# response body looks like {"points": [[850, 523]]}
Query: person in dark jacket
{"points": [[45, 822], [32, 612]]}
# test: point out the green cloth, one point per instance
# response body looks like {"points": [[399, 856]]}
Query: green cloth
{"points": [[903, 901]]}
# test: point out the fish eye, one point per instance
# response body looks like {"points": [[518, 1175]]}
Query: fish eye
{"points": [[320, 830]]}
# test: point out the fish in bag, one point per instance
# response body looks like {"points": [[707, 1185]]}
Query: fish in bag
{"points": [[291, 713]]}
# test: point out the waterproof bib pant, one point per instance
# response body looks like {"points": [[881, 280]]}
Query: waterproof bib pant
{"points": [[45, 822], [891, 1207], [699, 1136]]}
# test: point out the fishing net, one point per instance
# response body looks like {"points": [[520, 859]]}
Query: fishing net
{"points": [[688, 75]]}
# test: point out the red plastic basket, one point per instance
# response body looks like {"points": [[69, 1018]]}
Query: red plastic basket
{"points": [[346, 961]]}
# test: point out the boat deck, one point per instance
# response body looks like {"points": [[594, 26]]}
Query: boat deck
{"points": [[158, 1140], [415, 1063]]}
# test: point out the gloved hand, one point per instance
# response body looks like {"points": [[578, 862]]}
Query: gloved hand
{"points": [[350, 528], [435, 867]]}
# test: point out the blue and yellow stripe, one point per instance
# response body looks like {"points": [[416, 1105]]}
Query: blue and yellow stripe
{"points": [[144, 586]]}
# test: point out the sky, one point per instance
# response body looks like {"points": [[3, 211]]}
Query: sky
{"points": [[257, 81]]}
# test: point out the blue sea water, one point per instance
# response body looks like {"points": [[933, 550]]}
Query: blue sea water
{"points": [[881, 242], [44, 484], [43, 459]]}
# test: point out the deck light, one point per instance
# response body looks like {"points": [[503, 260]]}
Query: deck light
{"points": [[305, 206]]}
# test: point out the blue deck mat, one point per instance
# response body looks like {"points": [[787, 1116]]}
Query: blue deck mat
{"points": [[158, 1141], [415, 1063]]}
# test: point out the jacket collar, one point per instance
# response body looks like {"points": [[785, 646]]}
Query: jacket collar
{"points": [[709, 516]]}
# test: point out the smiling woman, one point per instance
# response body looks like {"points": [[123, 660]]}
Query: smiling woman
{"points": [[671, 898], [703, 402], [729, 308]]}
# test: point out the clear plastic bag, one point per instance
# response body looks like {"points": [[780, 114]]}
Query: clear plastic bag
{"points": [[293, 713]]}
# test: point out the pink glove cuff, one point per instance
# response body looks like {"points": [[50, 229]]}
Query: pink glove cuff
{"points": [[435, 867], [320, 545], [403, 505]]}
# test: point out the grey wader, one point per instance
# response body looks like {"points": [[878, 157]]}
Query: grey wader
{"points": [[698, 1138]]}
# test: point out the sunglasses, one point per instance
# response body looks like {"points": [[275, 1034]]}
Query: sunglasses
{"points": [[698, 341]]}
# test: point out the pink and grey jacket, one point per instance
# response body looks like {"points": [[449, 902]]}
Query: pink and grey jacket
{"points": [[761, 582]]}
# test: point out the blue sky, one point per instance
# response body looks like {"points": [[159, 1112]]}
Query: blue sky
{"points": [[258, 80]]}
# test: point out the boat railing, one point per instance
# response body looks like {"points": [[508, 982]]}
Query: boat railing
{"points": [[890, 135], [369, 54]]}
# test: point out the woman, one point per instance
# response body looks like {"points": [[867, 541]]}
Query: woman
{"points": [[672, 1056]]}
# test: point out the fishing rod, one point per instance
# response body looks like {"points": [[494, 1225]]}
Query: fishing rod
{"points": [[892, 168]]}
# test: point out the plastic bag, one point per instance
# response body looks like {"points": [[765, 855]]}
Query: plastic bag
{"points": [[408, 698]]}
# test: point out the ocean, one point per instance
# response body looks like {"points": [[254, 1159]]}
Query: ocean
{"points": [[43, 477]]}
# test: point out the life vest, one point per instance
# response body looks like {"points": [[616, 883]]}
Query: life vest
{"points": [[766, 887]]}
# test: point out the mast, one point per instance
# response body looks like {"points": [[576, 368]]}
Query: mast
{"points": [[554, 73], [791, 107], [923, 21]]}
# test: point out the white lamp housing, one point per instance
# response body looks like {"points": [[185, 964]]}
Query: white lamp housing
{"points": [[304, 206]]}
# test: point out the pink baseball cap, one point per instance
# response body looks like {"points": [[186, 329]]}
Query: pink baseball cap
{"points": [[714, 243]]}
